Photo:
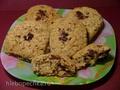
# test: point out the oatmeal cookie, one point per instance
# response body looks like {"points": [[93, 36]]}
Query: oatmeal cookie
{"points": [[90, 17], [27, 39], [53, 65], [67, 37], [90, 54], [42, 13]]}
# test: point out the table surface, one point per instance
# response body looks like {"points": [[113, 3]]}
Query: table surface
{"points": [[10, 10]]}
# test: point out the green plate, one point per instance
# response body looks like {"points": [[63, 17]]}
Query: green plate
{"points": [[23, 71]]}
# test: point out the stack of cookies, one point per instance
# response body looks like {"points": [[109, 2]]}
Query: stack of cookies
{"points": [[57, 45]]}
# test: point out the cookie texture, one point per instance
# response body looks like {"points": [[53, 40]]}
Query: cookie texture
{"points": [[57, 45], [90, 54], [91, 18], [27, 39], [61, 65], [67, 36], [52, 65], [42, 13]]}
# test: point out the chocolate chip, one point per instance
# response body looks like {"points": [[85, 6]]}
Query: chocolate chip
{"points": [[59, 29], [28, 37], [80, 15], [52, 22], [92, 53], [64, 36], [41, 14], [103, 54], [85, 57], [63, 39], [38, 18], [69, 38]]}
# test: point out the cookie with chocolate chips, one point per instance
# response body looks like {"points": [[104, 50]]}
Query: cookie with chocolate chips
{"points": [[92, 20], [90, 54], [27, 39], [42, 13], [53, 65], [67, 36]]}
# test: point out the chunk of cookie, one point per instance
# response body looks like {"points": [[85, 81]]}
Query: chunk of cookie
{"points": [[67, 37], [27, 39], [45, 64], [90, 54], [42, 13], [53, 65], [92, 20]]}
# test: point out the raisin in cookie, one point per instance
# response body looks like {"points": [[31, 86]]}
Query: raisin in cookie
{"points": [[42, 13], [92, 20], [27, 39], [53, 65], [67, 36], [90, 54]]}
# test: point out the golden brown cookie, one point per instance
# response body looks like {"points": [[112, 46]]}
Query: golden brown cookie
{"points": [[90, 54], [90, 17], [27, 39], [53, 65], [42, 13], [67, 36]]}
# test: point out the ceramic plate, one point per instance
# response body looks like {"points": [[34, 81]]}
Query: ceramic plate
{"points": [[22, 70]]}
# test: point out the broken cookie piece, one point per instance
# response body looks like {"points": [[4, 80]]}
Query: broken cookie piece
{"points": [[53, 65], [90, 54], [61, 65]]}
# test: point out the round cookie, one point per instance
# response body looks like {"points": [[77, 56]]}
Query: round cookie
{"points": [[42, 13], [92, 20], [67, 36], [27, 39], [53, 65]]}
